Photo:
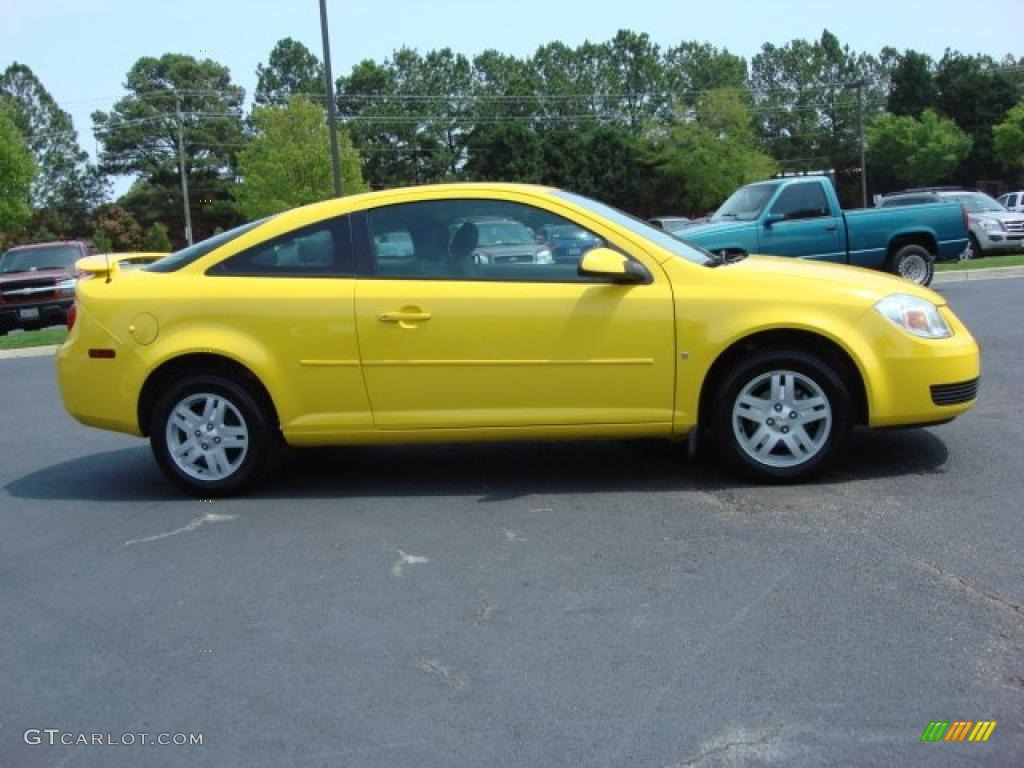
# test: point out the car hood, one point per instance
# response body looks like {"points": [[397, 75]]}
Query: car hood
{"points": [[36, 274], [696, 231], [1003, 216], [507, 248], [855, 282]]}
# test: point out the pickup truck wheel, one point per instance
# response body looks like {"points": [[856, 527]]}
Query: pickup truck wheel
{"points": [[973, 249], [782, 416], [210, 436], [914, 263]]}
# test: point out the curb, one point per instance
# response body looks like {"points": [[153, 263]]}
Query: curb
{"points": [[984, 273], [7, 354]]}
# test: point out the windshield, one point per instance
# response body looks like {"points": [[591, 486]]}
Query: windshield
{"points": [[504, 233], [977, 202], [185, 256], [33, 259], [640, 227], [746, 203]]}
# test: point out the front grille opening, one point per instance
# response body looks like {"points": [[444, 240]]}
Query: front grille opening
{"points": [[954, 394]]}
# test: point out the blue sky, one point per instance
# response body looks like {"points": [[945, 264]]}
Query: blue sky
{"points": [[81, 49]]}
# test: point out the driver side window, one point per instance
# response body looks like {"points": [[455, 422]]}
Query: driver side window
{"points": [[802, 201], [471, 239]]}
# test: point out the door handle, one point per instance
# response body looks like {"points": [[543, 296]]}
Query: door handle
{"points": [[831, 227], [404, 317]]}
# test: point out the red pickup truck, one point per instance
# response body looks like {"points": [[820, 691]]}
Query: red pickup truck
{"points": [[37, 283]]}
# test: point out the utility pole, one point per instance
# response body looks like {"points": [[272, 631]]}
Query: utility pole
{"points": [[859, 85], [332, 109], [181, 167]]}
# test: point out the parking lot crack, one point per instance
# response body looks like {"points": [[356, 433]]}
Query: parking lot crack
{"points": [[442, 672], [719, 749], [404, 560], [207, 518], [971, 588]]}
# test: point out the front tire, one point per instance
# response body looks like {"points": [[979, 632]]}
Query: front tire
{"points": [[914, 263], [210, 436], [974, 252], [783, 415]]}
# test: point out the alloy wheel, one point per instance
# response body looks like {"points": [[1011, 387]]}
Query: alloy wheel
{"points": [[207, 437], [781, 419]]}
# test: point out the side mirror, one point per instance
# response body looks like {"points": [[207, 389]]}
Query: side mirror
{"points": [[612, 266], [773, 218]]}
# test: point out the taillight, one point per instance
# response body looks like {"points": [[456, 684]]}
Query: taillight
{"points": [[967, 222], [72, 316]]}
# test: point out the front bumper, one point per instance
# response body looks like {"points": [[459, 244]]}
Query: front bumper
{"points": [[1000, 242], [917, 381]]}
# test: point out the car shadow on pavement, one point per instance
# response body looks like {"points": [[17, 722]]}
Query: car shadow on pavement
{"points": [[492, 471], [128, 474]]}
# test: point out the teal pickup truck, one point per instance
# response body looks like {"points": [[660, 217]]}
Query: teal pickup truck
{"points": [[801, 217]]}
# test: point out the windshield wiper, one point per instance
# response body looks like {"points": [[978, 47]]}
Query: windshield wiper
{"points": [[727, 216]]}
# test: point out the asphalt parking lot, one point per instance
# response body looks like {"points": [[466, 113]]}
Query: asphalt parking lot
{"points": [[594, 604]]}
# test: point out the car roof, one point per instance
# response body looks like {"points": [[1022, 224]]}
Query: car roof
{"points": [[48, 244], [363, 200]]}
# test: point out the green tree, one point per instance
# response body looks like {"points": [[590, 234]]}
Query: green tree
{"points": [[119, 226], [696, 164], [912, 87], [288, 162], [635, 78], [66, 187], [505, 152], [976, 92], [572, 87], [16, 172], [410, 116], [907, 152], [505, 88], [139, 136], [808, 111], [692, 69], [291, 70], [156, 240], [1009, 138]]}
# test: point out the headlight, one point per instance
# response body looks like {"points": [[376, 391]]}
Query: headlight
{"points": [[67, 286], [914, 315], [991, 224]]}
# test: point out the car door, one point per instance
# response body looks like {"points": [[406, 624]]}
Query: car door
{"points": [[293, 296], [450, 340], [807, 228]]}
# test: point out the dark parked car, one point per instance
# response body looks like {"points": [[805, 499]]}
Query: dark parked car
{"points": [[37, 283], [568, 243], [503, 241]]}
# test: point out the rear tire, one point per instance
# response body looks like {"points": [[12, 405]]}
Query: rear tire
{"points": [[913, 262], [211, 436], [782, 416]]}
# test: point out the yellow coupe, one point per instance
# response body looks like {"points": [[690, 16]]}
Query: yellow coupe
{"points": [[426, 314]]}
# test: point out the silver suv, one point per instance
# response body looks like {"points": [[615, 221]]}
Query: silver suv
{"points": [[992, 228]]}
